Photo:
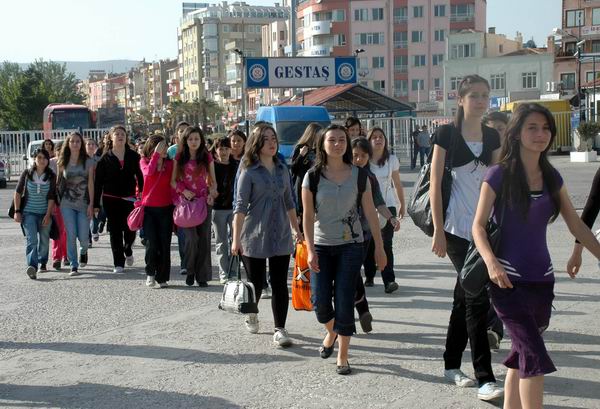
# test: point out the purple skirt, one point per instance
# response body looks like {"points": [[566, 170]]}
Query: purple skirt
{"points": [[525, 311]]}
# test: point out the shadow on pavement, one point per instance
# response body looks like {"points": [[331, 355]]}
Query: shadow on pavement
{"points": [[147, 352], [91, 395]]}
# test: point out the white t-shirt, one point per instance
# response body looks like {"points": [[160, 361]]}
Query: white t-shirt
{"points": [[386, 184]]}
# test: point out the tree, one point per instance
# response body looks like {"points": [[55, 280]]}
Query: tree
{"points": [[25, 93]]}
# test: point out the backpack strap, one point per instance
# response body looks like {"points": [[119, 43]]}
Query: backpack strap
{"points": [[362, 185], [314, 176]]}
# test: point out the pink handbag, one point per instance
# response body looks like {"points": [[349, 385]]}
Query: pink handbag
{"points": [[190, 213], [135, 220]]}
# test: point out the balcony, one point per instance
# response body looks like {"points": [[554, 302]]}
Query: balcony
{"points": [[461, 18], [400, 68], [400, 19], [400, 44]]}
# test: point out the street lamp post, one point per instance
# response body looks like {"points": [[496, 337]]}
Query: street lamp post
{"points": [[243, 57]]}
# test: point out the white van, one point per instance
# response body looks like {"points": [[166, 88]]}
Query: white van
{"points": [[34, 145]]}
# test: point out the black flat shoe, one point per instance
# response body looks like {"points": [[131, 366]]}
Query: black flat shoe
{"points": [[344, 369], [189, 280], [326, 352]]}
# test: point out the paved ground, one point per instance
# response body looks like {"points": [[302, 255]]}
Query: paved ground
{"points": [[106, 341]]}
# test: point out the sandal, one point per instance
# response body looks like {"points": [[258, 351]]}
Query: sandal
{"points": [[344, 369], [327, 351]]}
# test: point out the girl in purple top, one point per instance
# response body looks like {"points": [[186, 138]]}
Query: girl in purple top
{"points": [[530, 193]]}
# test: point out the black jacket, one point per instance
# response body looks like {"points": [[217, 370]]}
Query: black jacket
{"points": [[116, 181]]}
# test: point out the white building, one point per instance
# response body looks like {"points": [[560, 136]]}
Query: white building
{"points": [[514, 73]]}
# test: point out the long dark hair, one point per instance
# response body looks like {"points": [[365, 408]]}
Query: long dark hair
{"points": [[184, 151], [364, 145], [386, 153], [65, 152], [321, 157], [151, 144], [463, 89], [48, 173], [255, 143], [515, 189]]}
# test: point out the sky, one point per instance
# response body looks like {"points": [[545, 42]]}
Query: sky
{"points": [[93, 30]]}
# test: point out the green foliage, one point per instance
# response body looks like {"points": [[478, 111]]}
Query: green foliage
{"points": [[588, 130], [25, 93]]}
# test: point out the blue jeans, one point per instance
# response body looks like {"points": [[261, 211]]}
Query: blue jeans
{"points": [[424, 154], [77, 226], [37, 239], [340, 267]]}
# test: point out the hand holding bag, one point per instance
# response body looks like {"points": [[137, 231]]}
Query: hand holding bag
{"points": [[190, 213], [382, 220], [419, 206], [301, 291], [238, 296], [474, 274]]}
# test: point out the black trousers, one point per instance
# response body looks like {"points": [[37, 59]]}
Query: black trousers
{"points": [[468, 320], [121, 238], [158, 228], [198, 250], [387, 274], [256, 268]]}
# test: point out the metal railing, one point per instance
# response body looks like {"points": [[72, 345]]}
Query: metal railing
{"points": [[14, 144]]}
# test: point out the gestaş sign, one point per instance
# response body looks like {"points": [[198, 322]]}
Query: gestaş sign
{"points": [[301, 72]]}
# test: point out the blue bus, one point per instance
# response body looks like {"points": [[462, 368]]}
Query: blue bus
{"points": [[290, 123]]}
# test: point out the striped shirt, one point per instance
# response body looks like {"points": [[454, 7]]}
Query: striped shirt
{"points": [[37, 194]]}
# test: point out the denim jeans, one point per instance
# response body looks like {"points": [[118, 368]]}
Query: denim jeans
{"points": [[222, 220], [339, 269], [424, 154], [77, 226], [37, 239]]}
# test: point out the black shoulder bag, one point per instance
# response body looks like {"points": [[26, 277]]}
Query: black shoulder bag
{"points": [[419, 206], [474, 274]]}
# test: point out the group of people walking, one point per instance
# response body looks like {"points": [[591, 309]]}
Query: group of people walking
{"points": [[342, 195]]}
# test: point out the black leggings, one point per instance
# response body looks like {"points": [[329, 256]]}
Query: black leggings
{"points": [[256, 269], [468, 320]]}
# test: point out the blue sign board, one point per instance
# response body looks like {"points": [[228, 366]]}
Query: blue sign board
{"points": [[300, 72]]}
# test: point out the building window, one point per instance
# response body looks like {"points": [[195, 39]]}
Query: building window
{"points": [[377, 62], [455, 83], [462, 51], [417, 36], [437, 83], [568, 80], [281, 35], [418, 11], [339, 39], [401, 63], [400, 39], [575, 18], [589, 76], [419, 60], [377, 14], [437, 59], [362, 63], [595, 46], [439, 10], [462, 12], [400, 88], [418, 85], [339, 15], [368, 38], [596, 17], [439, 35], [529, 80], [361, 14], [497, 81], [379, 85], [400, 15]]}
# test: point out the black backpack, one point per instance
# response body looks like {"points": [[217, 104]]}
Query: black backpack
{"points": [[314, 175]]}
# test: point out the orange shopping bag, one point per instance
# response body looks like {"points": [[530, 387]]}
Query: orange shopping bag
{"points": [[301, 280]]}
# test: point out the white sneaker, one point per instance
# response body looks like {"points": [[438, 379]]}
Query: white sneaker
{"points": [[129, 261], [252, 323], [118, 269], [459, 378], [281, 338], [266, 293], [163, 285], [150, 281], [183, 271], [74, 272], [489, 391]]}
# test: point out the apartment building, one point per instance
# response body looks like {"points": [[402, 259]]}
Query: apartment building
{"points": [[208, 36], [401, 43]]}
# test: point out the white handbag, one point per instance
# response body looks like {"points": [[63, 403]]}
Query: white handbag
{"points": [[238, 296]]}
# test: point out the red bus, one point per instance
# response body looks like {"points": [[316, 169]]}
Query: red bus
{"points": [[67, 116]]}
